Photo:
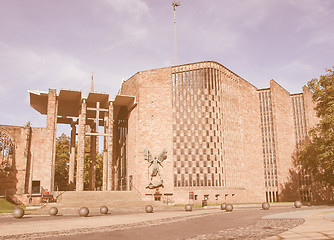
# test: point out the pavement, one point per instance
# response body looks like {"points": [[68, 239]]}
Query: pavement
{"points": [[319, 223], [44, 223]]}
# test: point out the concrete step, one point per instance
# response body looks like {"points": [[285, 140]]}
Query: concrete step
{"points": [[120, 200], [91, 196]]}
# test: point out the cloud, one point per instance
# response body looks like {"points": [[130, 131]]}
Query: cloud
{"points": [[3, 93], [311, 15], [135, 8], [297, 65], [4, 45], [40, 68]]}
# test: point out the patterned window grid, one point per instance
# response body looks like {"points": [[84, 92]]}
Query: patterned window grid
{"points": [[300, 135], [196, 112], [268, 145], [299, 118]]}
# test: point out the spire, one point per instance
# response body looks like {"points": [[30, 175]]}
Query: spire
{"points": [[92, 85], [175, 4]]}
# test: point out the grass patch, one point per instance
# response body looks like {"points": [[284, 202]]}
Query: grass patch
{"points": [[7, 207]]}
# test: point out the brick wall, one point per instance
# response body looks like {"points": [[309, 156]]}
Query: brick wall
{"points": [[150, 125], [311, 116], [41, 166], [28, 154], [285, 133], [251, 144]]}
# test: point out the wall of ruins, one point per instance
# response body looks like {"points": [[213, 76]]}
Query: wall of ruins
{"points": [[30, 162]]}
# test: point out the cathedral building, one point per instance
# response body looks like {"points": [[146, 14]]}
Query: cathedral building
{"points": [[191, 132]]}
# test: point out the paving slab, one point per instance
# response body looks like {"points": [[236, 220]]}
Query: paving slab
{"points": [[319, 224], [20, 226]]}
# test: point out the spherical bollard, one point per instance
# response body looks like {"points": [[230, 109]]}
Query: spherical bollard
{"points": [[18, 212], [188, 208], [83, 212], [149, 209], [298, 204], [53, 211], [265, 206], [223, 206], [229, 208], [104, 210]]}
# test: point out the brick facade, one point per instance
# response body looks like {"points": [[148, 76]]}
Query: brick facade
{"points": [[30, 160], [225, 139]]}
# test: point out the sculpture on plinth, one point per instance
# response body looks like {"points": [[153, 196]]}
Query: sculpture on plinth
{"points": [[155, 163]]}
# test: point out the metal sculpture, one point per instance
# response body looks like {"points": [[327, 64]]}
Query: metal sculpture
{"points": [[155, 163]]}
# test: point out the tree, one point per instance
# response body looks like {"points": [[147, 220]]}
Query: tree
{"points": [[317, 152], [98, 166], [62, 161]]}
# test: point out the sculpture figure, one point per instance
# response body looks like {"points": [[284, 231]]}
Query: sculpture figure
{"points": [[155, 163]]}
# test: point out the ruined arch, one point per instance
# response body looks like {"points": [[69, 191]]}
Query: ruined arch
{"points": [[7, 147]]}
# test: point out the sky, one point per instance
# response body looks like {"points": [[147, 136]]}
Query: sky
{"points": [[59, 43]]}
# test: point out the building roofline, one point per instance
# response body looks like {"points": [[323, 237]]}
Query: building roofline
{"points": [[187, 64]]}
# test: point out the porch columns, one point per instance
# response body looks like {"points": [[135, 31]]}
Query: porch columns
{"points": [[51, 126], [72, 158], [110, 146], [81, 147]]}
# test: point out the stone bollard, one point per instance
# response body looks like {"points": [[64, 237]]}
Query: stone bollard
{"points": [[53, 211], [83, 212], [104, 210], [149, 209], [223, 206], [18, 212], [188, 208], [298, 204], [265, 206], [229, 208]]}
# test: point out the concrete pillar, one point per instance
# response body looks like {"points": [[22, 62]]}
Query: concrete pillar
{"points": [[105, 170], [92, 166], [105, 153], [81, 148], [27, 157], [110, 146], [72, 158], [51, 126]]}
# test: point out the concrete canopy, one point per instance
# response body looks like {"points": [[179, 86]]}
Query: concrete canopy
{"points": [[125, 100], [39, 101], [69, 102]]}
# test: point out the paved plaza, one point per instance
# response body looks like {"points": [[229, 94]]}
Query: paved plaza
{"points": [[283, 222]]}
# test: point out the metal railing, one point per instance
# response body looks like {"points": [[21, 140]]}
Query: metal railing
{"points": [[137, 191]]}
